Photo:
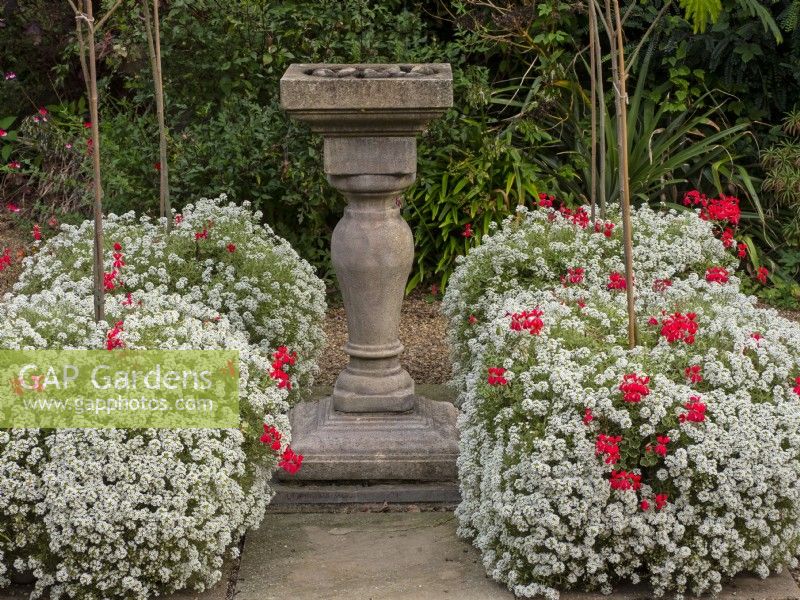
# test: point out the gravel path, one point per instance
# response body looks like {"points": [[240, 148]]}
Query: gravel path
{"points": [[422, 331]]}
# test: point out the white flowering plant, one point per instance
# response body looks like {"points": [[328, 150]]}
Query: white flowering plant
{"points": [[135, 513], [584, 463], [217, 254]]}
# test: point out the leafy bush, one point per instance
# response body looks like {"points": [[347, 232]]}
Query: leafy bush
{"points": [[584, 463], [133, 513], [218, 254]]}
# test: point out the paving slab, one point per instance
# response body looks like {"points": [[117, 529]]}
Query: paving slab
{"points": [[400, 556]]}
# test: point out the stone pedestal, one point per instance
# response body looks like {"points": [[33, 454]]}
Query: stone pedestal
{"points": [[373, 426]]}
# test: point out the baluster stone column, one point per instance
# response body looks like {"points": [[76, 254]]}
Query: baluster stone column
{"points": [[373, 426]]}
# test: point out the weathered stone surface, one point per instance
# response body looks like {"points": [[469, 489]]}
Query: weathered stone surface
{"points": [[369, 119], [408, 556], [419, 445], [388, 102], [400, 556], [298, 493]]}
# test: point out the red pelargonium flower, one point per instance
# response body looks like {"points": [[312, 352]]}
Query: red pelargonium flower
{"points": [[3, 133], [607, 228], [661, 445], [693, 373], [741, 250], [472, 319], [5, 259], [280, 358], [762, 275], [652, 321], [717, 275], [546, 201], [87, 124], [467, 233], [117, 247], [661, 501], [624, 480], [644, 504], [634, 387], [581, 303], [37, 233], [727, 237], [616, 281], [231, 248], [112, 337], [178, 219], [157, 166], [724, 209], [109, 280], [128, 299], [694, 198], [271, 437], [578, 217], [201, 235], [661, 285], [588, 417], [290, 462], [680, 327], [796, 387], [11, 207], [14, 164], [575, 274], [608, 446], [496, 376], [528, 320], [696, 411]]}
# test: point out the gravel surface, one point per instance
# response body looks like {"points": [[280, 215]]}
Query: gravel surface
{"points": [[422, 330]]}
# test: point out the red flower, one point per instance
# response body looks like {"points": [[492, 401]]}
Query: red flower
{"points": [[616, 281], [117, 247], [178, 219], [680, 327], [108, 281], [661, 445], [529, 320], [723, 209], [5, 259], [271, 437], [201, 235], [581, 302], [546, 201], [762, 275], [607, 228], [608, 445], [661, 501], [472, 319], [696, 411], [693, 374], [467, 233], [3, 133], [634, 387], [128, 299], [231, 248], [588, 417], [496, 376], [623, 480], [43, 112], [575, 274], [741, 249], [87, 124], [717, 275], [577, 217], [727, 237], [157, 166], [796, 387], [14, 164], [694, 198], [11, 207], [644, 504], [434, 290], [290, 462], [280, 358], [37, 233], [661, 285], [118, 260], [652, 321], [112, 337]]}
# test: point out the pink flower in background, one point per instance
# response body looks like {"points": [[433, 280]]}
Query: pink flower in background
{"points": [[10, 75]]}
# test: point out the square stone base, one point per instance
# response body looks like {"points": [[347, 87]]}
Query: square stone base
{"points": [[418, 445]]}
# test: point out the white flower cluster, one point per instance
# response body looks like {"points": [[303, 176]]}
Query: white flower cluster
{"points": [[217, 254], [701, 477], [133, 513]]}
